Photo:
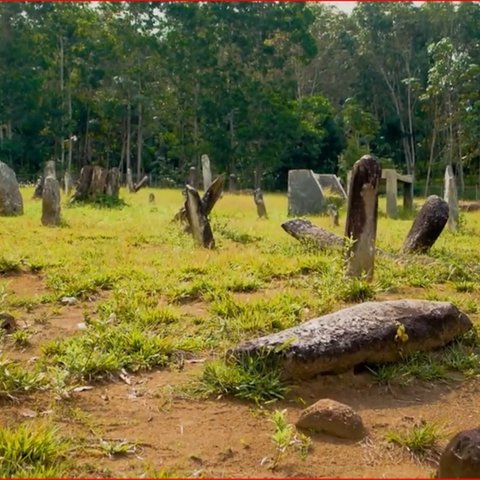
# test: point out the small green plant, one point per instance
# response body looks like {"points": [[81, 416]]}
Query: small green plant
{"points": [[15, 380], [21, 338], [285, 437], [251, 378], [464, 286], [115, 448], [421, 440], [357, 290], [31, 451]]}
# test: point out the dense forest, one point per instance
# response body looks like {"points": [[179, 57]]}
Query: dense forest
{"points": [[259, 87]]}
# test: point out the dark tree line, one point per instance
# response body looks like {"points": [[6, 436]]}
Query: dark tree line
{"points": [[259, 87]]}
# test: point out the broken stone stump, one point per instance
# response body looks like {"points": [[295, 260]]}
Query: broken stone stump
{"points": [[258, 199], [427, 226], [307, 232], [51, 202], [11, 201], [151, 198], [451, 197], [83, 184], [332, 211], [98, 184], [361, 223], [461, 457], [197, 219], [37, 193], [112, 182], [232, 183], [333, 418], [193, 178], [305, 195], [207, 172], [364, 333]]}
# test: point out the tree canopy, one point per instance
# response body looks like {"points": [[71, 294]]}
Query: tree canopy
{"points": [[259, 87]]}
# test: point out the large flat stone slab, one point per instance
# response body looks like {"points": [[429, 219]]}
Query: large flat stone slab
{"points": [[305, 195], [365, 333]]}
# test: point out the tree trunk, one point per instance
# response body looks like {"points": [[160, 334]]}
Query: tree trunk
{"points": [[139, 142], [70, 133], [62, 84], [127, 143], [430, 161]]}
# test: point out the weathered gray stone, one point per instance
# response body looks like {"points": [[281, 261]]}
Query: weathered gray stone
{"points": [[51, 202], [333, 418], [390, 176], [365, 333], [193, 177], [332, 211], [11, 201], [67, 183], [37, 193], [451, 197], [361, 223], [197, 219], [307, 232], [151, 198], [461, 457], [331, 182], [305, 195], [129, 180], [49, 170], [112, 182], [232, 183], [207, 172], [427, 226], [258, 199]]}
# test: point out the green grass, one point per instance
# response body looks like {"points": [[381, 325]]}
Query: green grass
{"points": [[420, 440], [16, 380], [32, 451]]}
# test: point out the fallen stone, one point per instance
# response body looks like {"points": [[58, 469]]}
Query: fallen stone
{"points": [[11, 201], [333, 418], [307, 232], [365, 333], [461, 457]]}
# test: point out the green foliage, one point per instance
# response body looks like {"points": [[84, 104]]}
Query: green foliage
{"points": [[15, 380], [251, 378], [32, 452], [421, 440]]}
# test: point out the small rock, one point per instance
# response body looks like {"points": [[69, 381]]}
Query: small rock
{"points": [[461, 457], [7, 322], [69, 300], [333, 418], [82, 326]]}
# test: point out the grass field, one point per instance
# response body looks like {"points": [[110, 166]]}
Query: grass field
{"points": [[129, 379]]}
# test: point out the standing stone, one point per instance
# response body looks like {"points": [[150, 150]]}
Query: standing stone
{"points": [[151, 198], [408, 196], [38, 192], [207, 172], [51, 202], [258, 198], [197, 219], [331, 182], [129, 180], [450, 196], [11, 201], [49, 170], [232, 183], [67, 182], [390, 176], [112, 187], [305, 195], [361, 223], [193, 177], [99, 181], [461, 457], [427, 226], [83, 184], [332, 211]]}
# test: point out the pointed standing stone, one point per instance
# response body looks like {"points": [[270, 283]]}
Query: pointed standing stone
{"points": [[67, 183], [207, 172], [361, 223], [11, 201], [51, 202], [390, 176], [193, 177], [427, 226], [451, 197], [49, 170], [258, 198], [197, 219]]}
